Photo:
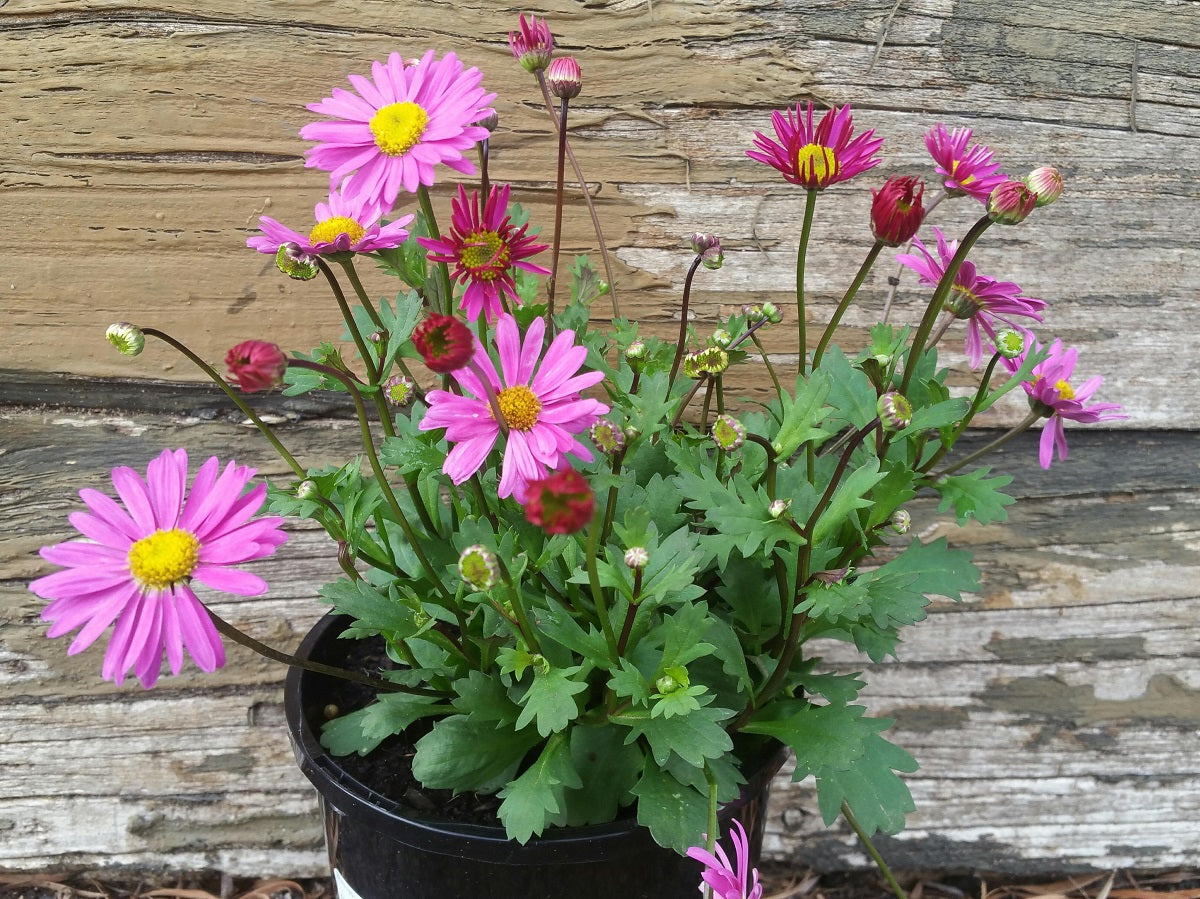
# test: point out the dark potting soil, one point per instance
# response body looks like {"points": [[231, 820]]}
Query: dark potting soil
{"points": [[387, 769]]}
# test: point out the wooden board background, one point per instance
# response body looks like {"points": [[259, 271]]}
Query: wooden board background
{"points": [[1055, 713]]}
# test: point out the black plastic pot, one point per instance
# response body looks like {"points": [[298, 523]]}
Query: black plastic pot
{"points": [[378, 848]]}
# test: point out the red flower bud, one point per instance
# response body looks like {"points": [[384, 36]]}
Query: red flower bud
{"points": [[564, 78], [896, 210], [1010, 203], [256, 365], [560, 503], [445, 343]]}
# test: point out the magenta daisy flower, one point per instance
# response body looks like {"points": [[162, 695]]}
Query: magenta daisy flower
{"points": [[729, 881], [965, 169], [980, 300], [483, 246], [138, 562], [537, 396], [346, 224], [816, 157], [403, 121], [1052, 394]]}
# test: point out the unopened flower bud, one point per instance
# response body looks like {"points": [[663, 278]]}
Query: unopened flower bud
{"points": [[896, 210], [712, 360], [1010, 343], [894, 410], [607, 437], [477, 567], [771, 312], [564, 78], [489, 121], [307, 490], [636, 557], [445, 343], [901, 521], [779, 508], [1010, 203], [256, 365], [398, 390], [533, 45], [128, 339], [560, 503], [753, 312], [1046, 182], [296, 265], [636, 351], [721, 338], [728, 433], [708, 248], [602, 288], [691, 366]]}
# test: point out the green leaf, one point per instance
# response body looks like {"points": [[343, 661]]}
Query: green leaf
{"points": [[852, 397], [674, 814], [835, 602], [459, 754], [940, 570], [975, 496], [849, 496], [871, 788], [549, 702], [608, 770], [801, 415], [533, 800], [557, 624], [484, 699], [694, 737], [824, 738], [372, 610]]}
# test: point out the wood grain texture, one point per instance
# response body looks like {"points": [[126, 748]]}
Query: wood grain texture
{"points": [[1054, 713], [147, 139]]}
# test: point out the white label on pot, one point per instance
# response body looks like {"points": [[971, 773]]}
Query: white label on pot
{"points": [[343, 889]]}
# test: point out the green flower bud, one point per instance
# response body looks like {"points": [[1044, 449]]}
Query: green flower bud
{"points": [[1010, 343], [636, 557], [128, 339], [901, 521], [296, 265], [728, 433], [894, 411], [477, 566]]}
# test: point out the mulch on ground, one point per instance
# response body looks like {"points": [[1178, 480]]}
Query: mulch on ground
{"points": [[780, 882]]}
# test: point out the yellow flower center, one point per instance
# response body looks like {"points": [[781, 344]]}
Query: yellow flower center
{"points": [[164, 558], [398, 126], [816, 163], [1065, 390], [954, 173], [485, 253], [519, 407], [327, 230]]}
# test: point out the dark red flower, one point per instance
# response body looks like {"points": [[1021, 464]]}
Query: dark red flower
{"points": [[256, 365], [560, 503], [896, 210], [445, 343]]}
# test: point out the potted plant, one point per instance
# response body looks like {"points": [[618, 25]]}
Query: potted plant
{"points": [[581, 576]]}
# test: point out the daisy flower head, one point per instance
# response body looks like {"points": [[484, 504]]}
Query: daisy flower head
{"points": [[136, 566], [816, 156], [736, 880], [345, 224], [391, 131], [533, 45], [965, 169], [1052, 394], [534, 401], [484, 246], [980, 300]]}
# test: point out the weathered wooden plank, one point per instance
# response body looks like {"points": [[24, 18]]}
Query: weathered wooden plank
{"points": [[148, 140], [1054, 712]]}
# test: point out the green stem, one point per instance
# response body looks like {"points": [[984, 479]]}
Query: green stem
{"points": [[593, 548], [485, 186], [873, 852], [528, 634], [917, 348], [369, 446], [683, 321], [348, 267], [810, 205], [558, 205], [770, 368], [1028, 422], [237, 400], [587, 198], [872, 255], [976, 402], [275, 655], [431, 224], [348, 317]]}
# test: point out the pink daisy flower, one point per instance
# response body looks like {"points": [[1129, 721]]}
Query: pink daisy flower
{"points": [[483, 246], [964, 169], [816, 157], [1051, 393], [537, 396], [346, 224], [729, 881], [137, 564], [980, 300], [398, 125]]}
